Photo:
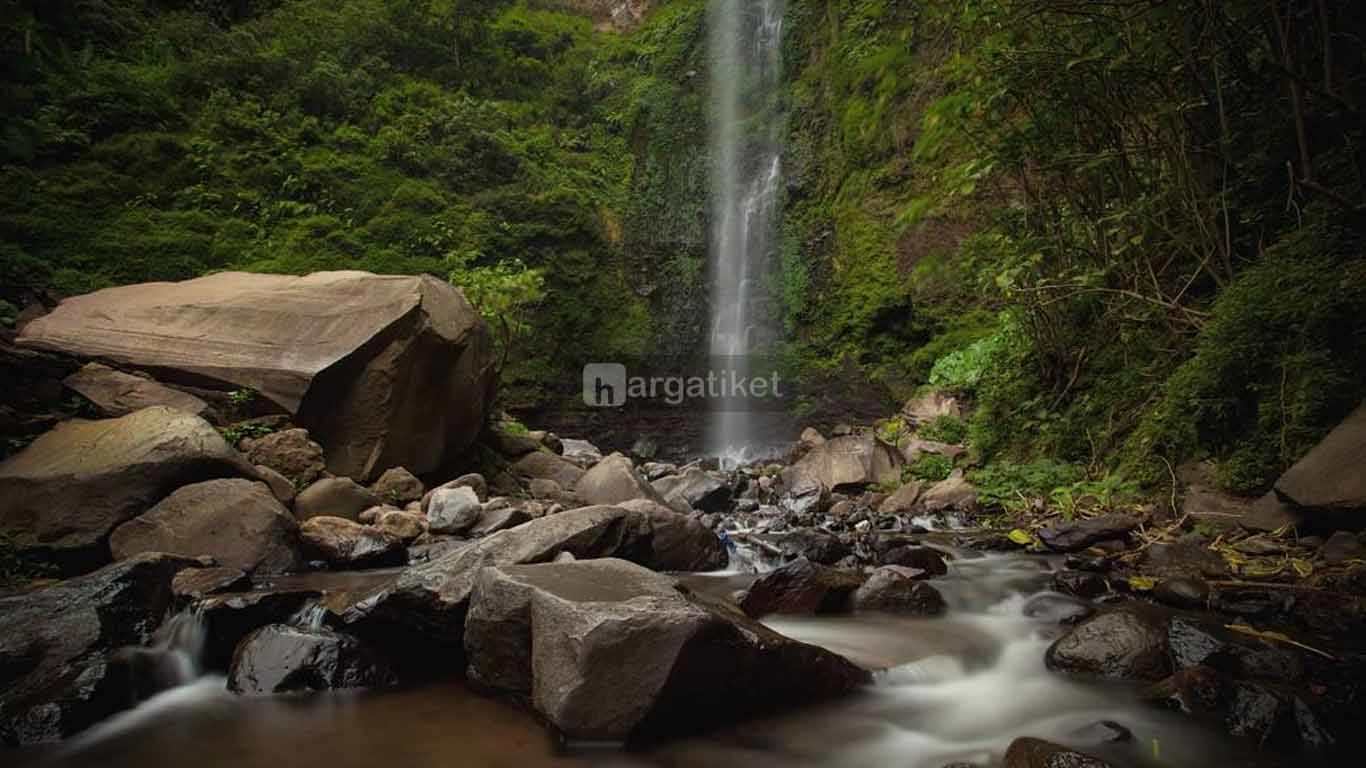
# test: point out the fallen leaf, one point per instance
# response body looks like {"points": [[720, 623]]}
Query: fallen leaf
{"points": [[1021, 537], [1142, 583]]}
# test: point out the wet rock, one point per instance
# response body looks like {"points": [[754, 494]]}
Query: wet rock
{"points": [[115, 393], [343, 542], [1123, 644], [453, 510], [334, 497], [1037, 753], [1090, 564], [402, 525], [1273, 717], [1079, 534], [279, 484], [1270, 513], [548, 466], [229, 617], [1329, 479], [700, 489], [1058, 609], [65, 493], [817, 546], [897, 589], [238, 523], [955, 494], [194, 583], [1103, 732], [1187, 557], [606, 650], [1194, 690], [903, 500], [854, 460], [1341, 547], [419, 621], [807, 499], [358, 359], [398, 486], [614, 480], [1080, 583], [280, 658], [802, 586], [1195, 642], [55, 650], [930, 561], [291, 452], [679, 542], [1182, 592], [1206, 504], [581, 452]]}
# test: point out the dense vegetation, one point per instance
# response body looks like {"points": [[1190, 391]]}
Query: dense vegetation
{"points": [[1131, 232]]}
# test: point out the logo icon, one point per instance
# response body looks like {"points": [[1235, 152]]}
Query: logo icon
{"points": [[604, 385]]}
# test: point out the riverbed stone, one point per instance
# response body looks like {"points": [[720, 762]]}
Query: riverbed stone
{"points": [[238, 523], [343, 542], [57, 645], [702, 490], [607, 650], [679, 542], [115, 393], [1077, 535], [62, 495], [194, 583], [897, 589], [548, 466], [1036, 753], [802, 586], [280, 658], [614, 480], [291, 452], [334, 497], [815, 545], [280, 485], [453, 510], [398, 486], [924, 559], [852, 460], [1125, 643], [402, 525]]}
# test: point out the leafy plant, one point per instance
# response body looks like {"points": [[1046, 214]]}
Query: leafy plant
{"points": [[945, 429], [931, 467]]}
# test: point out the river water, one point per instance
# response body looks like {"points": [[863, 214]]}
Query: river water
{"points": [[956, 688]]}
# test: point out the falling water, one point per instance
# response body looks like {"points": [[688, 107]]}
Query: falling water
{"points": [[746, 73]]}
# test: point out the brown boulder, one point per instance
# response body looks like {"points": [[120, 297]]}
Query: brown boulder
{"points": [[116, 393], [291, 452], [548, 466], [334, 497], [898, 589], [679, 542], [279, 658], [63, 494], [614, 480], [348, 543], [607, 650], [1122, 644], [239, 523], [1037, 753], [802, 586], [853, 460], [1332, 476], [398, 486], [384, 370]]}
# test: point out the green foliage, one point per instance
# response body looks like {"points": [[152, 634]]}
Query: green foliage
{"points": [[1011, 485], [236, 433], [945, 429], [931, 467]]}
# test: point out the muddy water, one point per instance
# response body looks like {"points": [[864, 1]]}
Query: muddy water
{"points": [[957, 688]]}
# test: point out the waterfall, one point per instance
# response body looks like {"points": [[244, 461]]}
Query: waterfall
{"points": [[746, 125]]}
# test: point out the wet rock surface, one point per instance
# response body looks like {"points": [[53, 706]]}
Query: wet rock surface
{"points": [[1080, 534], [1125, 644], [802, 586], [280, 659]]}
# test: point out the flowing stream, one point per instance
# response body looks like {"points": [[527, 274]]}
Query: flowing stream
{"points": [[745, 38], [955, 688]]}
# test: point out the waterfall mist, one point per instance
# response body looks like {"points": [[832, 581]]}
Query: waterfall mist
{"points": [[746, 132]]}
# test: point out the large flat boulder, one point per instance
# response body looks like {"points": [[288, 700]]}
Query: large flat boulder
{"points": [[614, 480], [65, 493], [56, 650], [1332, 476], [420, 620], [239, 523], [116, 393], [852, 461], [383, 370], [608, 650]]}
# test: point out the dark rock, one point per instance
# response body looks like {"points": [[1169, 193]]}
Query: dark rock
{"points": [[280, 658], [1194, 690], [1330, 478], [896, 589], [1091, 564], [1341, 547], [1270, 513], [1182, 592], [63, 495], [1195, 643], [115, 393], [334, 497], [1103, 732], [802, 586], [606, 650], [194, 583], [279, 485], [816, 546], [1057, 608], [1037, 753], [55, 650], [1273, 717], [1080, 534], [921, 558], [500, 519], [954, 494], [291, 452], [903, 500], [1187, 557], [679, 542], [229, 617], [702, 490], [239, 523], [1080, 583], [1123, 644]]}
